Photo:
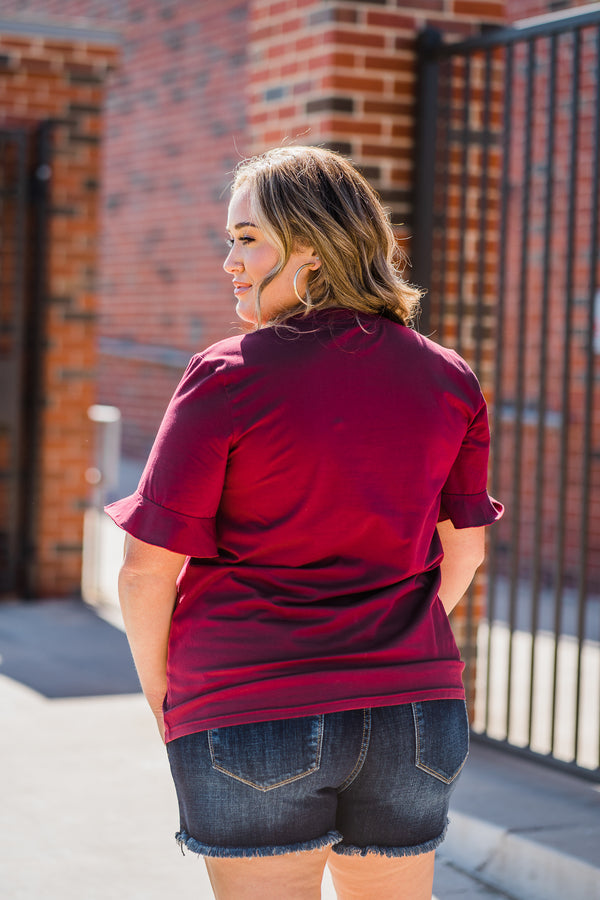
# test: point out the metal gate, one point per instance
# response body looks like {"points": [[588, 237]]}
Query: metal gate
{"points": [[506, 241], [24, 172]]}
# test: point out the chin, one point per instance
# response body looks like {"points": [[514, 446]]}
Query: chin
{"points": [[248, 316]]}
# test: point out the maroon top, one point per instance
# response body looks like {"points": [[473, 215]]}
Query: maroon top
{"points": [[303, 472]]}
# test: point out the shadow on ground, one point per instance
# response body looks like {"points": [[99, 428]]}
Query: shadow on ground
{"points": [[61, 648]]}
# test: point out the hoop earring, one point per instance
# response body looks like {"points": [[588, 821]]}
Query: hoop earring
{"points": [[302, 300]]}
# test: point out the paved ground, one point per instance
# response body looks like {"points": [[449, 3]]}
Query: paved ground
{"points": [[87, 808]]}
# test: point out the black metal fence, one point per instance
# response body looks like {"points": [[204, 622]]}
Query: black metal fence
{"points": [[507, 243]]}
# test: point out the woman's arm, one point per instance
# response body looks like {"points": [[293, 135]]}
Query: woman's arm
{"points": [[147, 594], [464, 551]]}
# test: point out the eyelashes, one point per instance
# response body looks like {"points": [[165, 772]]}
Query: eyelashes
{"points": [[243, 240]]}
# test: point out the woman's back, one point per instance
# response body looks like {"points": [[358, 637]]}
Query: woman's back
{"points": [[313, 580]]}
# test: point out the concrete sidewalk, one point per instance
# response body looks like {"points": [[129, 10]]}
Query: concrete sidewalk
{"points": [[524, 828], [88, 809]]}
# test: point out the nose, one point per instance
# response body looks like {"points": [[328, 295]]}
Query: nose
{"points": [[231, 263]]}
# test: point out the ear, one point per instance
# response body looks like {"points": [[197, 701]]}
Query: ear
{"points": [[316, 262]]}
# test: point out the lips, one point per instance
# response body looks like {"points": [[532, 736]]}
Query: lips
{"points": [[240, 287]]}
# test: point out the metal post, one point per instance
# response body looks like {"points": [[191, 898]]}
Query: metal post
{"points": [[428, 42], [104, 479], [34, 348], [105, 475]]}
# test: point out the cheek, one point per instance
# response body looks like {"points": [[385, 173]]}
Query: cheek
{"points": [[262, 260]]}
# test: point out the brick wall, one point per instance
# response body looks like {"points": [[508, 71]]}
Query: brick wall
{"points": [[344, 74], [54, 75], [176, 125], [201, 86]]}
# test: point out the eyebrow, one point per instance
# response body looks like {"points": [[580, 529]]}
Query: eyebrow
{"points": [[244, 225]]}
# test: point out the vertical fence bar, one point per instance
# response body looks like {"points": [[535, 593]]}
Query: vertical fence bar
{"points": [[499, 371], [559, 574], [14, 217], [586, 485], [483, 210], [472, 620], [428, 42], [520, 376], [7, 484], [464, 168], [543, 373], [5, 495], [441, 216]]}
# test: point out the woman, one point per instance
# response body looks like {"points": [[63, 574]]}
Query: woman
{"points": [[312, 509]]}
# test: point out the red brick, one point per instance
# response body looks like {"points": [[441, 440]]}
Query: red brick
{"points": [[404, 130], [265, 32], [357, 38], [394, 63], [287, 112], [355, 83], [388, 20], [354, 126], [389, 107], [275, 51], [479, 9], [291, 25], [384, 151]]}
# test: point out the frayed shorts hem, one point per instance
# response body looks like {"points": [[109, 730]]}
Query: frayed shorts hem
{"points": [[185, 840], [416, 850], [332, 839]]}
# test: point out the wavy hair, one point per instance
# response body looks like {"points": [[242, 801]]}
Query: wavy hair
{"points": [[312, 197]]}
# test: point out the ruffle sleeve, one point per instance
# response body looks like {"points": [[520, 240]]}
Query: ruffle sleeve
{"points": [[464, 497], [154, 524], [177, 500], [470, 510]]}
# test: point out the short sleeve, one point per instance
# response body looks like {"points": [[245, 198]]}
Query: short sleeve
{"points": [[177, 499], [465, 500]]}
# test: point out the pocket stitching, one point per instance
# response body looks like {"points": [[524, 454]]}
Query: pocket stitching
{"points": [[264, 788], [421, 765]]}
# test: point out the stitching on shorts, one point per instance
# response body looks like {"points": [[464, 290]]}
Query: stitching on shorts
{"points": [[363, 751], [258, 787], [421, 765]]}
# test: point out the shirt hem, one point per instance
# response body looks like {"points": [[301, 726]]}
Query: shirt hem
{"points": [[311, 709]]}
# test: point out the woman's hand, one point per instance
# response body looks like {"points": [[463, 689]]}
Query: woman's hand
{"points": [[464, 551], [160, 721], [147, 594]]}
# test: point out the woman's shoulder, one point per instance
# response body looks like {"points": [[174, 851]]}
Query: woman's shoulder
{"points": [[441, 367], [232, 357], [445, 356], [222, 354]]}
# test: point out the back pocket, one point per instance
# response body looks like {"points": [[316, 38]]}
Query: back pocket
{"points": [[266, 755], [442, 737]]}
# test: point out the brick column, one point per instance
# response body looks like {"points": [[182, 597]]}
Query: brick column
{"points": [[343, 74], [57, 75]]}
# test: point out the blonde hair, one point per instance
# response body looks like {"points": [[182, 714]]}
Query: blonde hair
{"points": [[311, 197]]}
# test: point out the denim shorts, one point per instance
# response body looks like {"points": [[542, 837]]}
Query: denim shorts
{"points": [[363, 781]]}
